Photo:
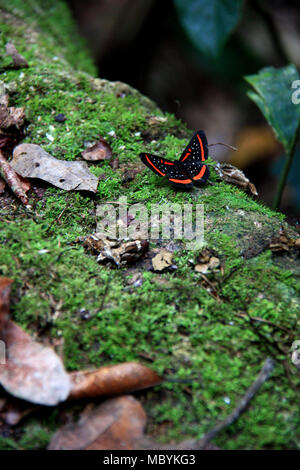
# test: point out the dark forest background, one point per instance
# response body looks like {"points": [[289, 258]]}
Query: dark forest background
{"points": [[144, 43]]}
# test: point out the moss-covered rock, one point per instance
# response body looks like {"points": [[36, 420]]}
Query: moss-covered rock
{"points": [[214, 333]]}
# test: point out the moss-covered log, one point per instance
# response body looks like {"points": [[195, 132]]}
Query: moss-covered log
{"points": [[214, 333]]}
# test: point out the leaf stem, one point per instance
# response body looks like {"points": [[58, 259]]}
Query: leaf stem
{"points": [[284, 173]]}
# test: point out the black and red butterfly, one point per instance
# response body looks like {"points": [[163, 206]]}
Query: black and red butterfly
{"points": [[189, 170]]}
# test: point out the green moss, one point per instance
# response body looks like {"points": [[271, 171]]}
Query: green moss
{"points": [[187, 329]]}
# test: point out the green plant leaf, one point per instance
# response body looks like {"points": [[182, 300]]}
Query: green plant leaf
{"points": [[209, 23], [273, 95]]}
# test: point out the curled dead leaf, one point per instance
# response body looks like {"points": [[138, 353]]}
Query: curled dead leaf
{"points": [[282, 243], [112, 380], [117, 252], [207, 261], [31, 371], [31, 161], [11, 117], [162, 261], [117, 424], [231, 174], [100, 151], [154, 120]]}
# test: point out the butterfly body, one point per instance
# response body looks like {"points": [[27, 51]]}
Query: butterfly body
{"points": [[189, 170]]}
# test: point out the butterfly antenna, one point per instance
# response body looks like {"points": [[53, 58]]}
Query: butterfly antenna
{"points": [[225, 145]]}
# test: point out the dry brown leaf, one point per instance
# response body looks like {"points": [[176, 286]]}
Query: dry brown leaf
{"points": [[214, 262], [283, 243], [32, 372], [17, 183], [154, 120], [117, 424], [31, 161], [11, 122], [112, 380], [163, 260], [10, 117], [100, 151], [113, 251], [207, 261], [231, 174], [202, 268], [18, 60]]}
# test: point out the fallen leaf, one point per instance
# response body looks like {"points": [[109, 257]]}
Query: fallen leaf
{"points": [[162, 260], [118, 252], [17, 183], [100, 151], [282, 243], [31, 372], [11, 122], [231, 174], [214, 262], [117, 424], [11, 116], [207, 260], [202, 268], [112, 380], [18, 60], [31, 161], [154, 120]]}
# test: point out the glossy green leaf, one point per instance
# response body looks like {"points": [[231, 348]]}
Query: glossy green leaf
{"points": [[276, 96], [209, 23]]}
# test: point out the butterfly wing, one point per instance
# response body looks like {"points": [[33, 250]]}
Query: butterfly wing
{"points": [[193, 157], [197, 149], [178, 177], [157, 164], [163, 167]]}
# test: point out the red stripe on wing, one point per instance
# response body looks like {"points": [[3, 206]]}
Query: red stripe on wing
{"points": [[153, 166], [202, 149], [200, 174]]}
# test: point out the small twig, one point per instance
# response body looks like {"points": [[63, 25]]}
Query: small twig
{"points": [[262, 320], [105, 293], [241, 407], [225, 145], [285, 172]]}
